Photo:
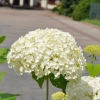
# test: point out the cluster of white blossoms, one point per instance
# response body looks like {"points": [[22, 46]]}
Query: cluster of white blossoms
{"points": [[46, 51], [59, 96], [88, 88]]}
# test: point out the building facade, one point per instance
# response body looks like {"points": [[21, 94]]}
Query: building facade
{"points": [[53, 1], [22, 3], [49, 4], [32, 3]]}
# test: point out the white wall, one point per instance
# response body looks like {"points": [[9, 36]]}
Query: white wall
{"points": [[44, 3], [31, 3], [11, 2], [51, 6], [21, 2], [48, 6]]}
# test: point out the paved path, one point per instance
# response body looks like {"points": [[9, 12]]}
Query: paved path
{"points": [[15, 23]]}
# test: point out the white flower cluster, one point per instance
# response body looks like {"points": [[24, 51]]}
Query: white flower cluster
{"points": [[59, 96], [88, 88], [47, 51]]}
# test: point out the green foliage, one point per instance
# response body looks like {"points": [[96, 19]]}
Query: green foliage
{"points": [[78, 9], [63, 11], [40, 81], [94, 70], [66, 7], [95, 1], [68, 3], [65, 3], [1, 75], [93, 51], [60, 82], [3, 51], [82, 10], [55, 9], [2, 38], [93, 21], [3, 54], [8, 96]]}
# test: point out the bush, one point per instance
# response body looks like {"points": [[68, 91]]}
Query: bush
{"points": [[67, 7], [63, 11], [64, 4], [82, 10], [55, 9], [68, 3]]}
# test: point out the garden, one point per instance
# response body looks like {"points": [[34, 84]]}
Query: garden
{"points": [[52, 55], [80, 10]]}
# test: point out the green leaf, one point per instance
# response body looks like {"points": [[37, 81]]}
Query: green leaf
{"points": [[40, 81], [60, 82], [94, 70], [1, 75], [2, 38], [3, 55], [8, 96]]}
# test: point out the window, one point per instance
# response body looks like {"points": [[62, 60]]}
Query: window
{"points": [[16, 2], [26, 2], [51, 1]]}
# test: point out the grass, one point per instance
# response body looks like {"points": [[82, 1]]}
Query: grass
{"points": [[93, 21]]}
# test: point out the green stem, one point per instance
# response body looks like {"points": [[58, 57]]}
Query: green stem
{"points": [[47, 88], [92, 59], [92, 64]]}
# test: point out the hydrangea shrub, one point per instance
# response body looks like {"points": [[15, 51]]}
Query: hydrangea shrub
{"points": [[46, 51], [88, 88]]}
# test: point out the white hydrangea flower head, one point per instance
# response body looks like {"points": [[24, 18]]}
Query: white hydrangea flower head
{"points": [[46, 51], [88, 88], [59, 96]]}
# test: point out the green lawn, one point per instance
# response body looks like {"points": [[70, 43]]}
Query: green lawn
{"points": [[93, 21]]}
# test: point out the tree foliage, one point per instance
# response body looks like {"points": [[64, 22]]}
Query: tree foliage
{"points": [[82, 10], [66, 7], [68, 3]]}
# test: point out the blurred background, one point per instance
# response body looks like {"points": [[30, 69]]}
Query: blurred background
{"points": [[81, 18]]}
